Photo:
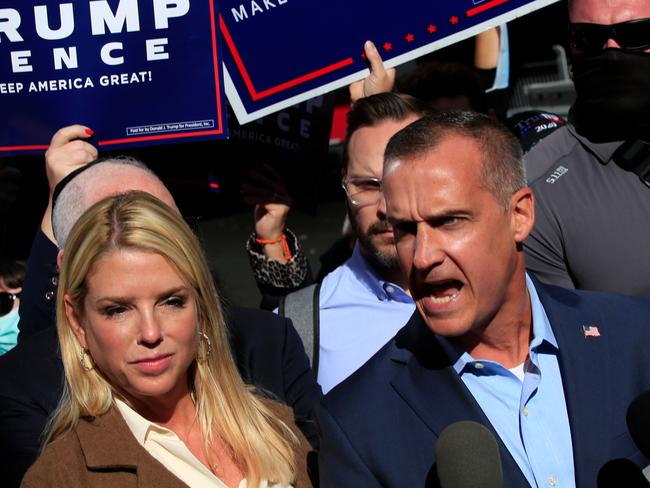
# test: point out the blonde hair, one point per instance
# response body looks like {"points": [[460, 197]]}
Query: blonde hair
{"points": [[259, 442]]}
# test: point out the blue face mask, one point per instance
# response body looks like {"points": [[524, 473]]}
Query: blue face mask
{"points": [[9, 330]]}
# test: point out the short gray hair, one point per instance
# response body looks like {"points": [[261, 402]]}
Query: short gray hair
{"points": [[72, 202], [502, 168]]}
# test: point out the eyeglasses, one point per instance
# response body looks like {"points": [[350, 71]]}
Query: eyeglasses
{"points": [[362, 191], [7, 301], [633, 35]]}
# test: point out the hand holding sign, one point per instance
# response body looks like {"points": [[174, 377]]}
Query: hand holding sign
{"points": [[67, 152], [380, 79], [277, 57]]}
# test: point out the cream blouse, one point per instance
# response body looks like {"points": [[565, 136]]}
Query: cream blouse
{"points": [[165, 446]]}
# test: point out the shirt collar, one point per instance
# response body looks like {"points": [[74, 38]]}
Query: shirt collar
{"points": [[604, 151], [542, 333], [138, 425], [382, 289]]}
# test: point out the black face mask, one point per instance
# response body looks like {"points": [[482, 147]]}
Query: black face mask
{"points": [[613, 102]]}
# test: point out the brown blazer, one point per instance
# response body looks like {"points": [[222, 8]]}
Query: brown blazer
{"points": [[103, 453]]}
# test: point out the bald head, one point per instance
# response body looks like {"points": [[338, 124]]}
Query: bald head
{"points": [[102, 180], [608, 11]]}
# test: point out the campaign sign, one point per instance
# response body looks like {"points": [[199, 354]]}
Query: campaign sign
{"points": [[281, 52], [137, 72]]}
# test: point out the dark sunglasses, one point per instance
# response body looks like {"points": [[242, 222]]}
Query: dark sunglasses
{"points": [[633, 35], [7, 302]]}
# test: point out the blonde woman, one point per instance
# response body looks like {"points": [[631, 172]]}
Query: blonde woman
{"points": [[152, 395]]}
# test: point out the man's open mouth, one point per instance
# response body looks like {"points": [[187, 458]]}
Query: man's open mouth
{"points": [[444, 291]]}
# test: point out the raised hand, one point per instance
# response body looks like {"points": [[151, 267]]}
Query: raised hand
{"points": [[380, 79]]}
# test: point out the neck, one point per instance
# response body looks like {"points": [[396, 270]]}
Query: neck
{"points": [[181, 416], [506, 338], [387, 273], [172, 412]]}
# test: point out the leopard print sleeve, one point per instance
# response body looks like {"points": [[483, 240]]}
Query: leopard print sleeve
{"points": [[272, 273]]}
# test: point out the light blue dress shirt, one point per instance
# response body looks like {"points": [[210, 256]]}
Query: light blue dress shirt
{"points": [[359, 313], [530, 416]]}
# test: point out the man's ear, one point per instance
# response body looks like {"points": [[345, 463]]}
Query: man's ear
{"points": [[73, 314], [522, 209], [59, 260]]}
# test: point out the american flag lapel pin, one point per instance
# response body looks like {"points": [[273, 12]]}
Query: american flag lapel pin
{"points": [[590, 331]]}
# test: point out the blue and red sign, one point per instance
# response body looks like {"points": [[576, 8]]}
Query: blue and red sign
{"points": [[281, 52], [136, 72]]}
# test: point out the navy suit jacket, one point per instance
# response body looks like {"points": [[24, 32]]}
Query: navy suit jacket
{"points": [[380, 426]]}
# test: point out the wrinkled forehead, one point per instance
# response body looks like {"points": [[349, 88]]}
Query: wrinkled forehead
{"points": [[405, 176], [449, 144], [608, 11], [393, 165]]}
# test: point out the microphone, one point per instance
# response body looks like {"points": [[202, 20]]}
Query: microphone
{"points": [[638, 422], [621, 472], [467, 456]]}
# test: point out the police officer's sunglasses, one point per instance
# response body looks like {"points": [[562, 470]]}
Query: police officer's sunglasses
{"points": [[633, 35]]}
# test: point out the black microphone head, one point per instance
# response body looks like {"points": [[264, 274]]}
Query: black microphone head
{"points": [[621, 473], [638, 422], [467, 456]]}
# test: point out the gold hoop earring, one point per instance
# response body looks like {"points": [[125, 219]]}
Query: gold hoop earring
{"points": [[203, 337], [86, 360]]}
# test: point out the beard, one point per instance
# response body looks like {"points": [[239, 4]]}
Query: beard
{"points": [[379, 250]]}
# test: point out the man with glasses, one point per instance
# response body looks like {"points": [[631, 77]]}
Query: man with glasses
{"points": [[364, 302], [591, 178]]}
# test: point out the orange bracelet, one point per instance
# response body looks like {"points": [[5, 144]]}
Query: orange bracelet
{"points": [[285, 245]]}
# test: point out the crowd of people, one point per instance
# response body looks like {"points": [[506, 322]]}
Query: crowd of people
{"points": [[488, 274]]}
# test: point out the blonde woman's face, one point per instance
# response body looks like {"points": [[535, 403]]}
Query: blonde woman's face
{"points": [[139, 324]]}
